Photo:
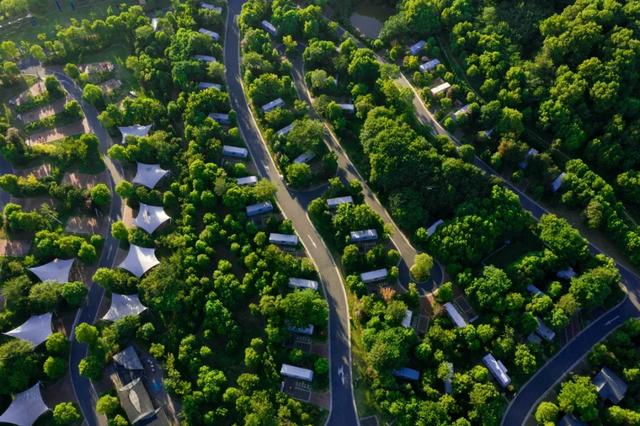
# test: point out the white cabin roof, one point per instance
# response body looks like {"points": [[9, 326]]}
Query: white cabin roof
{"points": [[203, 85], [429, 65], [235, 151], [205, 58], [364, 235], [296, 372], [417, 47], [440, 88], [557, 182], [123, 305], [285, 130], [434, 226], [335, 202], [455, 316], [57, 270], [497, 369], [214, 35], [270, 106], [210, 6], [247, 180], [139, 260], [259, 208], [373, 276], [303, 283], [220, 117], [25, 408], [283, 239], [406, 321], [305, 157], [150, 218], [149, 174], [35, 330], [268, 27]]}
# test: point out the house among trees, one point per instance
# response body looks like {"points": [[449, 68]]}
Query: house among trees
{"points": [[333, 203], [348, 108], [212, 7], [461, 112], [566, 274], [35, 330], [220, 118], [524, 163], [570, 420], [285, 130], [270, 106], [429, 65], [557, 182], [297, 373], [406, 373], [364, 239], [610, 386], [432, 229], [234, 151], [259, 209], [307, 331], [442, 87], [448, 380], [303, 283], [214, 35], [247, 180], [534, 291], [286, 240], [205, 58], [305, 157], [25, 408], [204, 85], [545, 332], [134, 399], [374, 276], [454, 315], [406, 321], [497, 369], [268, 27], [417, 47]]}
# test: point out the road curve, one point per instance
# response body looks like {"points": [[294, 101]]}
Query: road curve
{"points": [[342, 411], [82, 387]]}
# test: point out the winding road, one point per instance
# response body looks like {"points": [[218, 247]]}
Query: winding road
{"points": [[343, 410]]}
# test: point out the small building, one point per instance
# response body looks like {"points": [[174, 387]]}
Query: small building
{"points": [[545, 332], [610, 386], [366, 235], [417, 48], [429, 65], [270, 106], [268, 27], [348, 108], [128, 359], [234, 151], [566, 274], [305, 157], [454, 315], [139, 260], [204, 86], [297, 373], [461, 112], [497, 369], [150, 218], [220, 118], [333, 203], [285, 130], [434, 226], [149, 174], [374, 276], [134, 399], [303, 283], [259, 208], [214, 35], [534, 291], [406, 373], [290, 240], [557, 182], [247, 180], [524, 163], [307, 331], [448, 381], [406, 321], [216, 9], [570, 420], [442, 87], [205, 58]]}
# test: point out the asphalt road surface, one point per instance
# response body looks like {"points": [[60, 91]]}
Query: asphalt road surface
{"points": [[343, 411]]}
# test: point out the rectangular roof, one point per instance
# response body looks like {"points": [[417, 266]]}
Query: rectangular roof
{"points": [[407, 374], [259, 208], [247, 180], [417, 47], [373, 276], [566, 274], [557, 182], [214, 35], [270, 106], [305, 157], [234, 151], [285, 130], [210, 6], [534, 290], [363, 235], [335, 202], [283, 239], [455, 316], [296, 372], [303, 283], [406, 321], [204, 85], [497, 369], [610, 386], [205, 58], [440, 88], [432, 229], [268, 27], [545, 332], [429, 65], [347, 107], [220, 118], [462, 111], [307, 331]]}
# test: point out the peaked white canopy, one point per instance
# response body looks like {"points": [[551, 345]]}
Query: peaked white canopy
{"points": [[149, 174], [136, 130], [123, 305], [35, 330], [139, 260], [56, 270], [150, 217], [25, 408]]}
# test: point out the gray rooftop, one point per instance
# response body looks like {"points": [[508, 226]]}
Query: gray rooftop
{"points": [[610, 385]]}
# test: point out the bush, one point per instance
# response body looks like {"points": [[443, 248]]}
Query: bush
{"points": [[299, 175], [65, 413]]}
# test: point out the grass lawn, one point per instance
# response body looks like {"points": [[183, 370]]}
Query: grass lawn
{"points": [[117, 55]]}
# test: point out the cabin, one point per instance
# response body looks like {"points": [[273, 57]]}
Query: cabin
{"points": [[234, 151], [406, 321], [268, 27], [305, 157], [285, 130], [417, 47], [205, 86], [524, 163], [545, 332], [333, 203], [348, 108], [454, 315], [497, 369], [610, 386], [289, 240], [461, 112], [259, 209], [434, 226], [270, 106], [443, 87], [534, 291], [406, 373], [205, 58], [374, 276], [557, 182], [566, 274], [297, 373], [429, 65], [214, 35], [307, 331], [209, 6], [223, 119], [303, 283], [247, 180]]}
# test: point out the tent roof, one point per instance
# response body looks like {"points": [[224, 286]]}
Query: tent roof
{"points": [[56, 270], [35, 330], [123, 305], [149, 174], [25, 408], [135, 400], [150, 217], [139, 260], [128, 358], [136, 130]]}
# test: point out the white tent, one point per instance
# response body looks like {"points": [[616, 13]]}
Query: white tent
{"points": [[35, 330], [25, 408], [123, 305], [150, 217], [139, 260], [56, 270], [136, 130], [149, 174]]}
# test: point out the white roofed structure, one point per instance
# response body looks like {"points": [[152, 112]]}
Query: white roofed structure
{"points": [[259, 208], [149, 174], [296, 372], [210, 6], [150, 217], [247, 180], [205, 58], [57, 270], [557, 182], [305, 157], [374, 276], [214, 35], [461, 112], [268, 27], [497, 369], [363, 236], [270, 106], [285, 130], [303, 283], [35, 330], [347, 107], [566, 274], [136, 130], [204, 85], [440, 88], [128, 358], [124, 305], [434, 226], [524, 163], [25, 408], [333, 203], [283, 239], [154, 23], [307, 331], [220, 117], [234, 151], [406, 321], [429, 65], [454, 315], [416, 48], [545, 332], [534, 291], [139, 260]]}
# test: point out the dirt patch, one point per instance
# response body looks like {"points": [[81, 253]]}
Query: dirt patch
{"points": [[51, 135], [33, 203], [14, 248], [42, 112], [86, 225], [127, 216], [84, 180], [110, 85], [43, 170], [33, 91]]}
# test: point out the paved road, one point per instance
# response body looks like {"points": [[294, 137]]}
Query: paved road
{"points": [[5, 168], [84, 390], [343, 411]]}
